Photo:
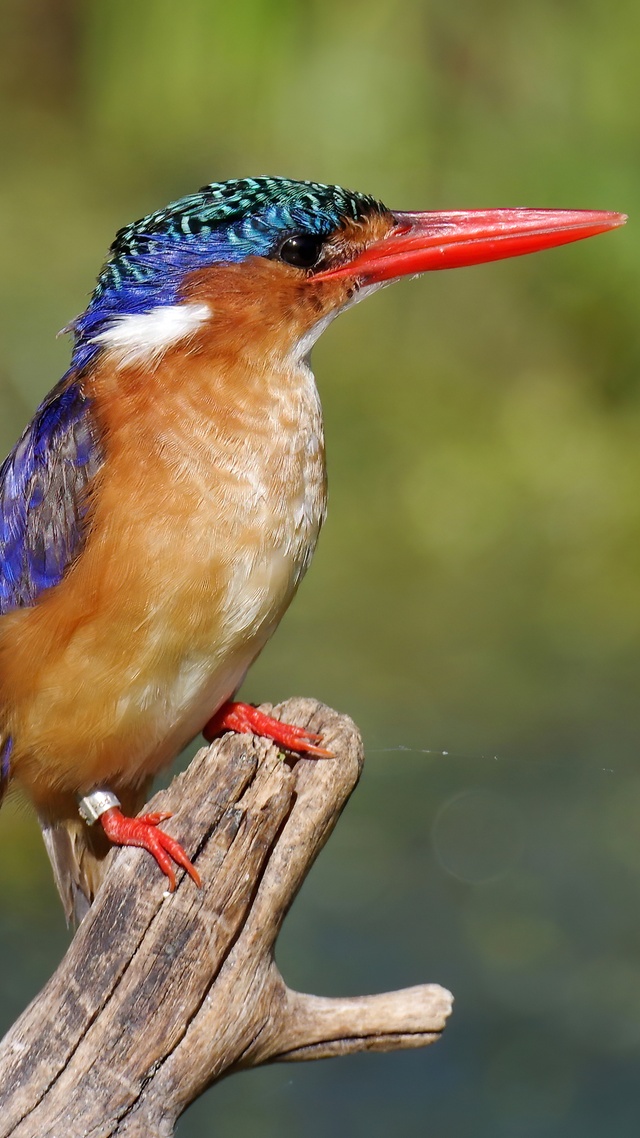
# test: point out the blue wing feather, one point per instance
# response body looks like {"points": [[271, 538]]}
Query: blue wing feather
{"points": [[43, 495]]}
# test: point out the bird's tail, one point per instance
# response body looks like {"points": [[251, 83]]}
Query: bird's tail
{"points": [[79, 855]]}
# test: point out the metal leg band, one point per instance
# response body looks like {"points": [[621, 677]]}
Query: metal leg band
{"points": [[92, 806]]}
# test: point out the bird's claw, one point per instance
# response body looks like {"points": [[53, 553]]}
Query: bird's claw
{"points": [[249, 720], [143, 832]]}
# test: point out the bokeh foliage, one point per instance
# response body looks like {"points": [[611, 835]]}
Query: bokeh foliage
{"points": [[477, 588]]}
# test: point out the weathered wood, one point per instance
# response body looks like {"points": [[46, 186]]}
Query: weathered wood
{"points": [[161, 994]]}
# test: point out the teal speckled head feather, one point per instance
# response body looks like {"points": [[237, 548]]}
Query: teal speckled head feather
{"points": [[223, 222]]}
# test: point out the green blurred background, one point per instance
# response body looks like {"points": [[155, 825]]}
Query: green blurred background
{"points": [[475, 599]]}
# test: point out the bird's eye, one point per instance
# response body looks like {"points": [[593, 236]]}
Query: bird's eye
{"points": [[302, 250]]}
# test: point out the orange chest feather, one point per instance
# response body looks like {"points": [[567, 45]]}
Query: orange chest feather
{"points": [[205, 516]]}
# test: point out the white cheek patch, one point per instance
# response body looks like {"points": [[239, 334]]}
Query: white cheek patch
{"points": [[146, 335]]}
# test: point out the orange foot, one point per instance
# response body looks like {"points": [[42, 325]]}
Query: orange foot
{"points": [[144, 832], [249, 720]]}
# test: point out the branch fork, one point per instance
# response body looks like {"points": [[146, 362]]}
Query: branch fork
{"points": [[162, 994]]}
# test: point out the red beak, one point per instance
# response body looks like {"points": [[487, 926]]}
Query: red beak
{"points": [[424, 241]]}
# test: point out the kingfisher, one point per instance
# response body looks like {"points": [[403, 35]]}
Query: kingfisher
{"points": [[161, 508]]}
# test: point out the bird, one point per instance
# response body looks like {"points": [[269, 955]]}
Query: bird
{"points": [[162, 506]]}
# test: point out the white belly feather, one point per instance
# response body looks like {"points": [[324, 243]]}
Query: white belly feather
{"points": [[267, 521]]}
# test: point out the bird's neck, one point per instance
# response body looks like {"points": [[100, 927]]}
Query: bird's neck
{"points": [[237, 381], [204, 388]]}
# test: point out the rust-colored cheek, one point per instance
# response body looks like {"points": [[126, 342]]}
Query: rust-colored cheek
{"points": [[260, 307]]}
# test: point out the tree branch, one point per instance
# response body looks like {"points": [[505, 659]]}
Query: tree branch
{"points": [[161, 994]]}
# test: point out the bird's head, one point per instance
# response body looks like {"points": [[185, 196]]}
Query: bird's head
{"points": [[265, 263]]}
